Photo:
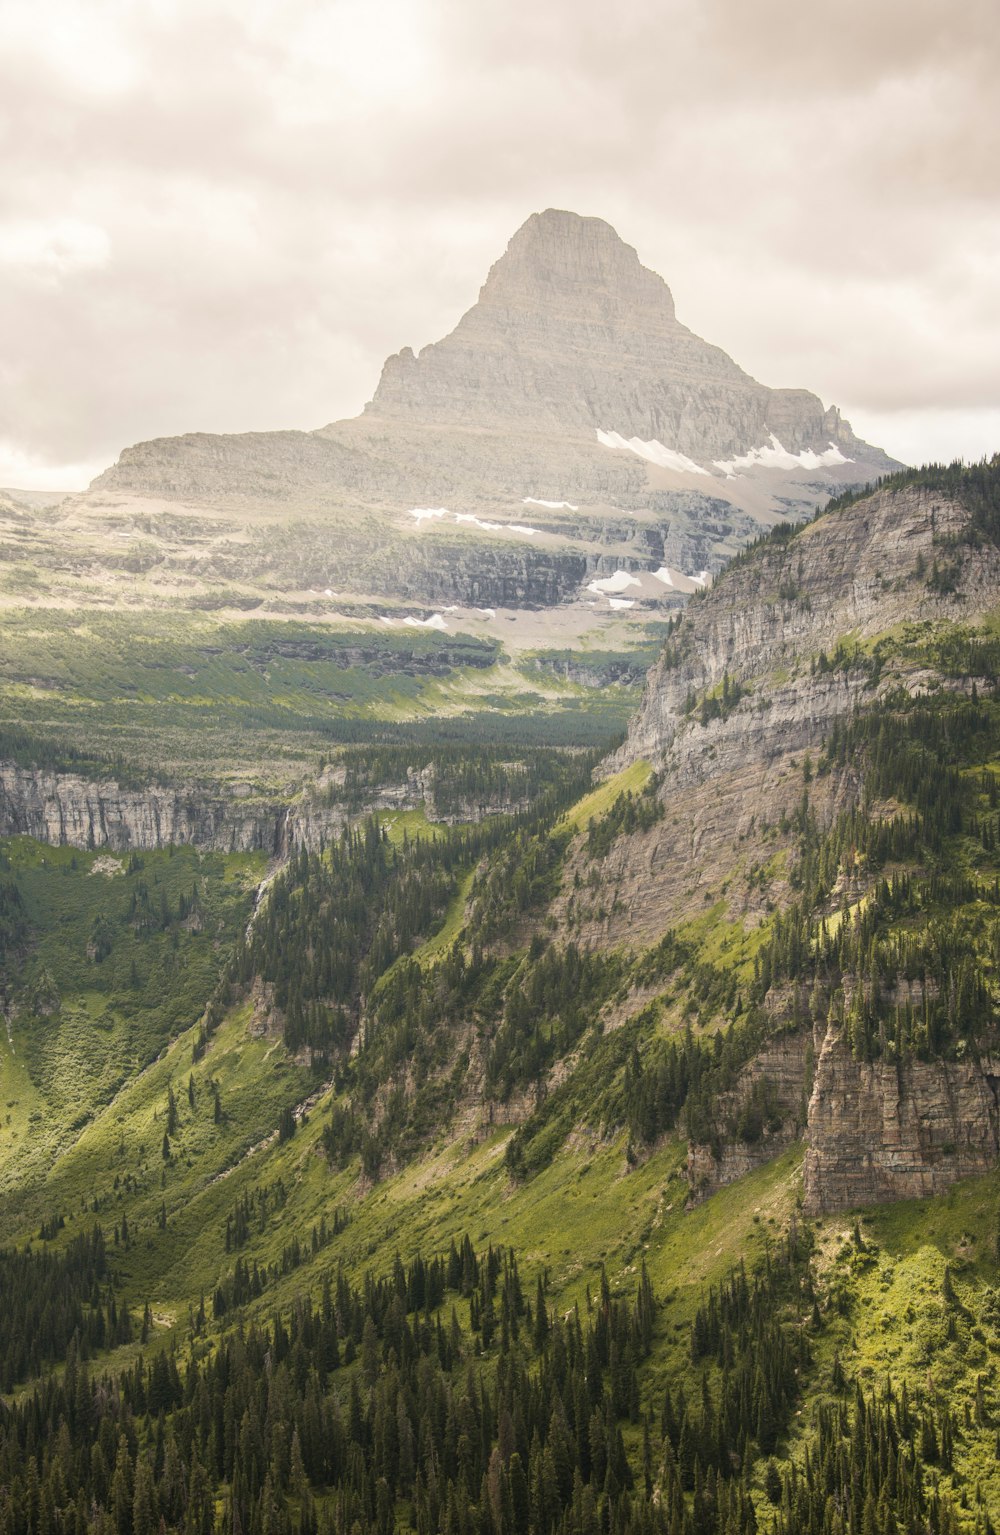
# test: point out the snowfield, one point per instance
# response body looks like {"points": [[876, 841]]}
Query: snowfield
{"points": [[619, 582], [773, 456], [654, 452]]}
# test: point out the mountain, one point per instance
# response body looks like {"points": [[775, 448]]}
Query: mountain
{"points": [[503, 533], [422, 1113], [571, 334], [569, 388]]}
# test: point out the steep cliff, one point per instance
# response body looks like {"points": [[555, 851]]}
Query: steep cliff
{"points": [[896, 1130], [825, 725], [874, 1131], [66, 810], [852, 577]]}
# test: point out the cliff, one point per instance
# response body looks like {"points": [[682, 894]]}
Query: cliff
{"points": [[874, 1131], [877, 613], [66, 810], [855, 574], [887, 1130]]}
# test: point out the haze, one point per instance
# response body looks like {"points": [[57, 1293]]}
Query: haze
{"points": [[224, 216]]}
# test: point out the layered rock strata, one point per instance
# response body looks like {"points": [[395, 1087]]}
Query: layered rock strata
{"points": [[874, 1131], [66, 810], [888, 1130], [858, 574]]}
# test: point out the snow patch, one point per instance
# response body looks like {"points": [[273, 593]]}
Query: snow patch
{"points": [[621, 602], [477, 522], [664, 575], [487, 612], [653, 451], [425, 513], [773, 456], [703, 578], [619, 582], [422, 513], [554, 506], [434, 622]]}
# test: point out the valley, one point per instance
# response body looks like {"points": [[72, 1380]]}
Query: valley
{"points": [[495, 1125]]}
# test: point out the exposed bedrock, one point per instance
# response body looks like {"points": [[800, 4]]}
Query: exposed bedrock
{"points": [[874, 1131], [887, 1130], [853, 574], [65, 810]]}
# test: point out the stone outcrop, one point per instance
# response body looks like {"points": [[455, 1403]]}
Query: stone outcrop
{"points": [[768, 1105], [874, 1131], [66, 810], [887, 1130]]}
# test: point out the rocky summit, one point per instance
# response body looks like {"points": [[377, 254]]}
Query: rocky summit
{"points": [[570, 426], [572, 334]]}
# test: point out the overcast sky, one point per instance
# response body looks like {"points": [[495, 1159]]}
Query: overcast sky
{"points": [[223, 214]]}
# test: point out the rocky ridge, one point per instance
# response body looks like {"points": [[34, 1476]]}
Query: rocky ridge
{"points": [[874, 1130], [858, 574]]}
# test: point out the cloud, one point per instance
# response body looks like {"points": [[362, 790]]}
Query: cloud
{"points": [[224, 215]]}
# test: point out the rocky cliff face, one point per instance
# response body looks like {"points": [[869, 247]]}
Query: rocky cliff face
{"points": [[763, 1114], [857, 574], [66, 810], [731, 776], [874, 1131], [896, 1131]]}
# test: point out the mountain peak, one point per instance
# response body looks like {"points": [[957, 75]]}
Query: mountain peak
{"points": [[559, 252]]}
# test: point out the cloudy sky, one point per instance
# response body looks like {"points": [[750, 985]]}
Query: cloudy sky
{"points": [[223, 214]]}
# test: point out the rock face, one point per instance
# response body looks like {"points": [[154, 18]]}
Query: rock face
{"points": [[66, 810], [896, 1131], [571, 337], [730, 779], [874, 1131], [857, 574], [775, 1084]]}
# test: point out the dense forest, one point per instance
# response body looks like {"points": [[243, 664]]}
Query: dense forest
{"points": [[448, 1396]]}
